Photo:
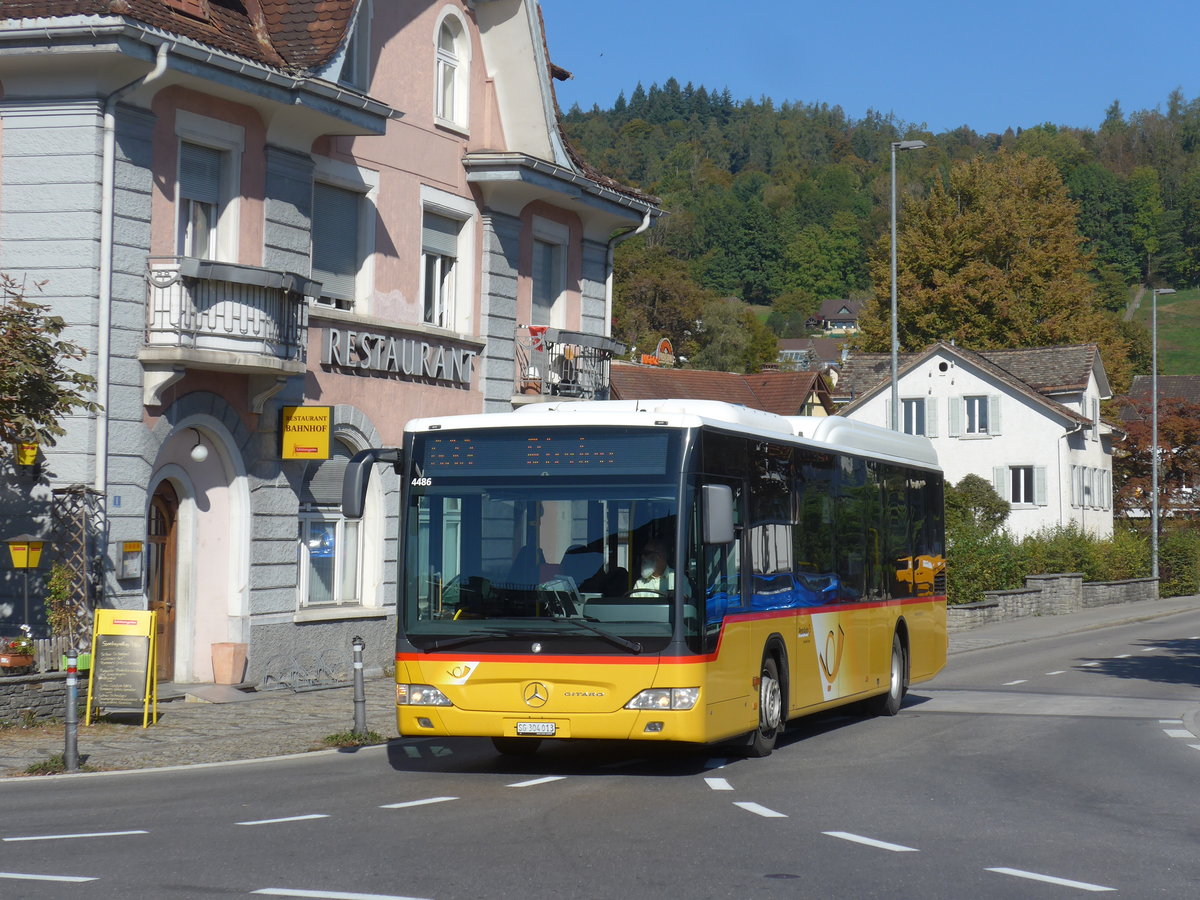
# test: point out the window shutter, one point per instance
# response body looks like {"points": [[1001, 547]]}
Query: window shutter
{"points": [[323, 481], [439, 234], [1000, 482], [993, 414], [931, 429], [956, 414], [199, 173], [335, 244], [1039, 485]]}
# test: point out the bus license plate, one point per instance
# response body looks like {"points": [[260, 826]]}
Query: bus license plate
{"points": [[542, 729]]}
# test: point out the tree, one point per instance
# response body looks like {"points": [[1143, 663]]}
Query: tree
{"points": [[731, 339], [973, 503], [38, 386], [654, 297], [992, 259], [1178, 461]]}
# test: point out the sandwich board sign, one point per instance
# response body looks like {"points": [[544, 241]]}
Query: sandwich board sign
{"points": [[123, 670]]}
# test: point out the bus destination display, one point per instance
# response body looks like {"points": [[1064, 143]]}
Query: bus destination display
{"points": [[543, 453]]}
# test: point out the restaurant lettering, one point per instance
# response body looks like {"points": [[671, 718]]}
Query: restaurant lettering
{"points": [[385, 355]]}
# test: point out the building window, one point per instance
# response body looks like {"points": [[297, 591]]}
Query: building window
{"points": [[330, 545], [336, 242], [1021, 485], [975, 410], [207, 186], [549, 275], [914, 416], [439, 259], [450, 104]]}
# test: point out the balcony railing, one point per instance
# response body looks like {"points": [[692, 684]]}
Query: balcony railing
{"points": [[551, 362], [202, 305]]}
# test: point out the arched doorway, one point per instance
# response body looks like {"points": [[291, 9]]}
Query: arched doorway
{"points": [[161, 575]]}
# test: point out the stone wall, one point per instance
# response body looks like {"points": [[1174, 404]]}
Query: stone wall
{"points": [[42, 696], [1049, 595]]}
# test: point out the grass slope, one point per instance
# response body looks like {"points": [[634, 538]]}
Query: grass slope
{"points": [[1178, 331]]}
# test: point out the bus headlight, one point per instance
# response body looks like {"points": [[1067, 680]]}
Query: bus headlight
{"points": [[420, 695], [665, 698]]}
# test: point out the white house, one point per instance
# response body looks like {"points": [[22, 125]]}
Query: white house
{"points": [[1026, 420]]}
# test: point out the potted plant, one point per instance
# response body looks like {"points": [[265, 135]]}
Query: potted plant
{"points": [[16, 654], [61, 613]]}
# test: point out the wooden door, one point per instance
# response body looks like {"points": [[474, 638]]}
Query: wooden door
{"points": [[161, 573]]}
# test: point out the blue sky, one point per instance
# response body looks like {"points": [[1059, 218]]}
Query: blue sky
{"points": [[938, 62]]}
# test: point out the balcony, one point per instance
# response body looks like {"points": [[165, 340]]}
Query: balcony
{"points": [[223, 317], [554, 363]]}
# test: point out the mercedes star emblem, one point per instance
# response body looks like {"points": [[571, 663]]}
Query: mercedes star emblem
{"points": [[536, 694]]}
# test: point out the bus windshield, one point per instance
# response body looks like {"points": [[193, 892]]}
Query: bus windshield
{"points": [[565, 540]]}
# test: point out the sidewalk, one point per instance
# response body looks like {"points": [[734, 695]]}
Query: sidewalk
{"points": [[275, 723]]}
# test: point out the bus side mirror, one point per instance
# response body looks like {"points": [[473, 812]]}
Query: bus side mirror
{"points": [[717, 503], [358, 474]]}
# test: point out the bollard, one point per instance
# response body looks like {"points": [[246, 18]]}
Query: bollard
{"points": [[360, 693], [71, 751]]}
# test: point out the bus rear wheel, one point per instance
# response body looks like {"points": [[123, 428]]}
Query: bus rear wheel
{"points": [[516, 746], [889, 704], [770, 710]]}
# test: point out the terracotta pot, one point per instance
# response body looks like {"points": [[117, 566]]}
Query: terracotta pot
{"points": [[15, 660]]}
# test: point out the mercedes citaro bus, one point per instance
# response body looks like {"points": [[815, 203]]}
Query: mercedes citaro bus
{"points": [[661, 570]]}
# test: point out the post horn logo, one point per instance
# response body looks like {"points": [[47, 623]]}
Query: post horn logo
{"points": [[536, 694]]}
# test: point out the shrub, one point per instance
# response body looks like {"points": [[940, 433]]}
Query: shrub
{"points": [[977, 561], [1179, 562]]}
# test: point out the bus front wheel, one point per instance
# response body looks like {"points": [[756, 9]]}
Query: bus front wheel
{"points": [[516, 746], [770, 710]]}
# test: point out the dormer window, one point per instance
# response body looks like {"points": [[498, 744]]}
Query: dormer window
{"points": [[197, 9]]}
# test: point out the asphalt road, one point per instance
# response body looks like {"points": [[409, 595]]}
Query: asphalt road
{"points": [[1052, 768]]}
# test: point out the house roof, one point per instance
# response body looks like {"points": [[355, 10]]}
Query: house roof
{"points": [[296, 35], [870, 373], [1052, 370], [783, 393], [828, 349], [840, 309], [1170, 387]]}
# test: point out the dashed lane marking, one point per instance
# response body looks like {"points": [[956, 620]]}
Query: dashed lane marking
{"points": [[1050, 879], [1170, 721], [25, 876], [719, 784], [1011, 683], [534, 781], [1090, 665], [760, 810], [1194, 746], [64, 837], [285, 819], [1149, 649], [410, 803], [327, 895], [1178, 732], [871, 842], [1123, 656], [1057, 672]]}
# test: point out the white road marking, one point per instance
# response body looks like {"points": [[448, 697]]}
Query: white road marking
{"points": [[1177, 732], [1090, 665], [409, 803], [545, 780], [63, 837], [1058, 672], [1123, 656], [760, 810], [1194, 746], [1149, 649], [719, 784], [1011, 683], [287, 819], [22, 876], [871, 842], [327, 895], [1170, 721], [1050, 879]]}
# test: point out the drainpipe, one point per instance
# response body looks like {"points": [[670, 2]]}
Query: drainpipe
{"points": [[104, 321], [608, 279]]}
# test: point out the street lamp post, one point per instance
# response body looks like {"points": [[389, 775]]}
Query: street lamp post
{"points": [[895, 423], [1154, 428]]}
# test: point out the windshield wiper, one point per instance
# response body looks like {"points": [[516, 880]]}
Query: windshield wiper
{"points": [[614, 639], [471, 639]]}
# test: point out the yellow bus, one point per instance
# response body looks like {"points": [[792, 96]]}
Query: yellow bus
{"points": [[660, 570]]}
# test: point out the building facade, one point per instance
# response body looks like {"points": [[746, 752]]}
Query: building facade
{"points": [[1027, 421], [280, 221]]}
